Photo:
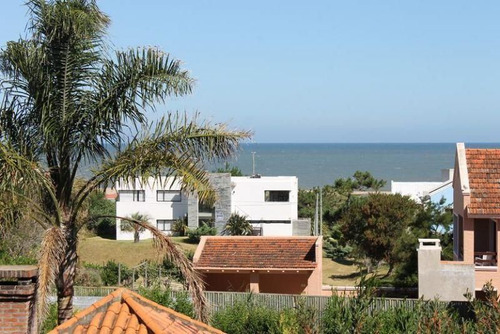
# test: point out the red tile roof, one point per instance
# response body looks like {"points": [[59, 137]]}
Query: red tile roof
{"points": [[483, 167], [124, 311], [258, 252]]}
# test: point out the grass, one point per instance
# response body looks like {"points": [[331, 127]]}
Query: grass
{"points": [[345, 273], [98, 250]]}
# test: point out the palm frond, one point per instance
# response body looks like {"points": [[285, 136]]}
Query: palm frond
{"points": [[25, 180], [168, 250], [176, 146], [51, 256]]}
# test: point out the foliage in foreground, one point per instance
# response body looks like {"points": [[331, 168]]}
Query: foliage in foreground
{"points": [[359, 315], [163, 296], [66, 101]]}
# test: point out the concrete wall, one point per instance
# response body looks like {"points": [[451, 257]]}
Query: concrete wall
{"points": [[227, 282], [248, 197], [301, 227], [444, 280]]}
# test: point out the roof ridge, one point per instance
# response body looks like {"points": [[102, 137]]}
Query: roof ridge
{"points": [[131, 295], [141, 313]]}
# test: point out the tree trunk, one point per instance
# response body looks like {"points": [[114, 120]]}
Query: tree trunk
{"points": [[136, 236], [66, 276]]}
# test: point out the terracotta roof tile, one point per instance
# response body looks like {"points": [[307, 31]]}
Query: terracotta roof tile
{"points": [[258, 252], [483, 167], [124, 311]]}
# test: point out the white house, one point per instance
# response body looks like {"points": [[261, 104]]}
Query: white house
{"points": [[269, 203], [435, 190]]}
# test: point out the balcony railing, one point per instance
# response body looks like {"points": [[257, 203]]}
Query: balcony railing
{"points": [[483, 259]]}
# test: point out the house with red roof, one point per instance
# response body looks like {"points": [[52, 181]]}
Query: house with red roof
{"points": [[476, 212], [124, 311], [289, 265]]}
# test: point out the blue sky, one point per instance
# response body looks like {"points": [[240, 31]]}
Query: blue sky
{"points": [[324, 71]]}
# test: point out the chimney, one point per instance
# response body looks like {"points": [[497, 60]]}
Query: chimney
{"points": [[18, 299]]}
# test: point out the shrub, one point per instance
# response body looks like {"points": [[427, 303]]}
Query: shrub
{"points": [[100, 206], [180, 227], [109, 273], [50, 322], [247, 317], [88, 276], [238, 225], [194, 236], [162, 296]]}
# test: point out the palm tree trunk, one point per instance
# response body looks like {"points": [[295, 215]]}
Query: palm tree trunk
{"points": [[66, 276], [136, 236]]}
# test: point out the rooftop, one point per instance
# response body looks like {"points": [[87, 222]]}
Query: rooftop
{"points": [[256, 253], [124, 311], [483, 167]]}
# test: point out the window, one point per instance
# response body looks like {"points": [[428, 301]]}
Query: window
{"points": [[277, 195], [168, 196], [164, 225], [131, 195]]}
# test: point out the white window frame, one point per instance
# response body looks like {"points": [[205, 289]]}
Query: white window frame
{"points": [[163, 196], [163, 222], [137, 195], [267, 196]]}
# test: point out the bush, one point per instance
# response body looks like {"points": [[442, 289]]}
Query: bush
{"points": [[194, 236], [238, 225], [162, 296], [100, 206], [180, 227], [109, 273], [302, 319], [88, 275], [50, 322], [247, 317]]}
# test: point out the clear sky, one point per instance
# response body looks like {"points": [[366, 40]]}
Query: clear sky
{"points": [[324, 71]]}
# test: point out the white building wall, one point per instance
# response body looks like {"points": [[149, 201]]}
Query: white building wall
{"points": [[248, 198], [415, 190], [151, 207]]}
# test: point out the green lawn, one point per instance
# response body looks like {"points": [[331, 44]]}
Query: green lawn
{"points": [[344, 273], [98, 251]]}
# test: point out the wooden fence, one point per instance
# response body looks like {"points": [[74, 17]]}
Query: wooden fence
{"points": [[221, 300]]}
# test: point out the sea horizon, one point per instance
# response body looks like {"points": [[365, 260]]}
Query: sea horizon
{"points": [[319, 164]]}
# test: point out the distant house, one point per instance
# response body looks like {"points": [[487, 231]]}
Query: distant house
{"points": [[476, 210], [269, 203], [290, 265], [124, 311], [435, 190]]}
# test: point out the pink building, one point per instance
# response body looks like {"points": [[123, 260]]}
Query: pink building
{"points": [[476, 189], [290, 265]]}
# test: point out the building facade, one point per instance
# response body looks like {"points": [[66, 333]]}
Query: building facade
{"points": [[289, 265], [476, 212], [269, 203]]}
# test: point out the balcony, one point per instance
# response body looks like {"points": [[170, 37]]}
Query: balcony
{"points": [[485, 259]]}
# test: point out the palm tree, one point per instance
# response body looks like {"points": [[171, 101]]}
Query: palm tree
{"points": [[65, 102], [238, 225], [129, 225]]}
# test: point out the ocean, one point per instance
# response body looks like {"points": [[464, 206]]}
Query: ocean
{"points": [[321, 164]]}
